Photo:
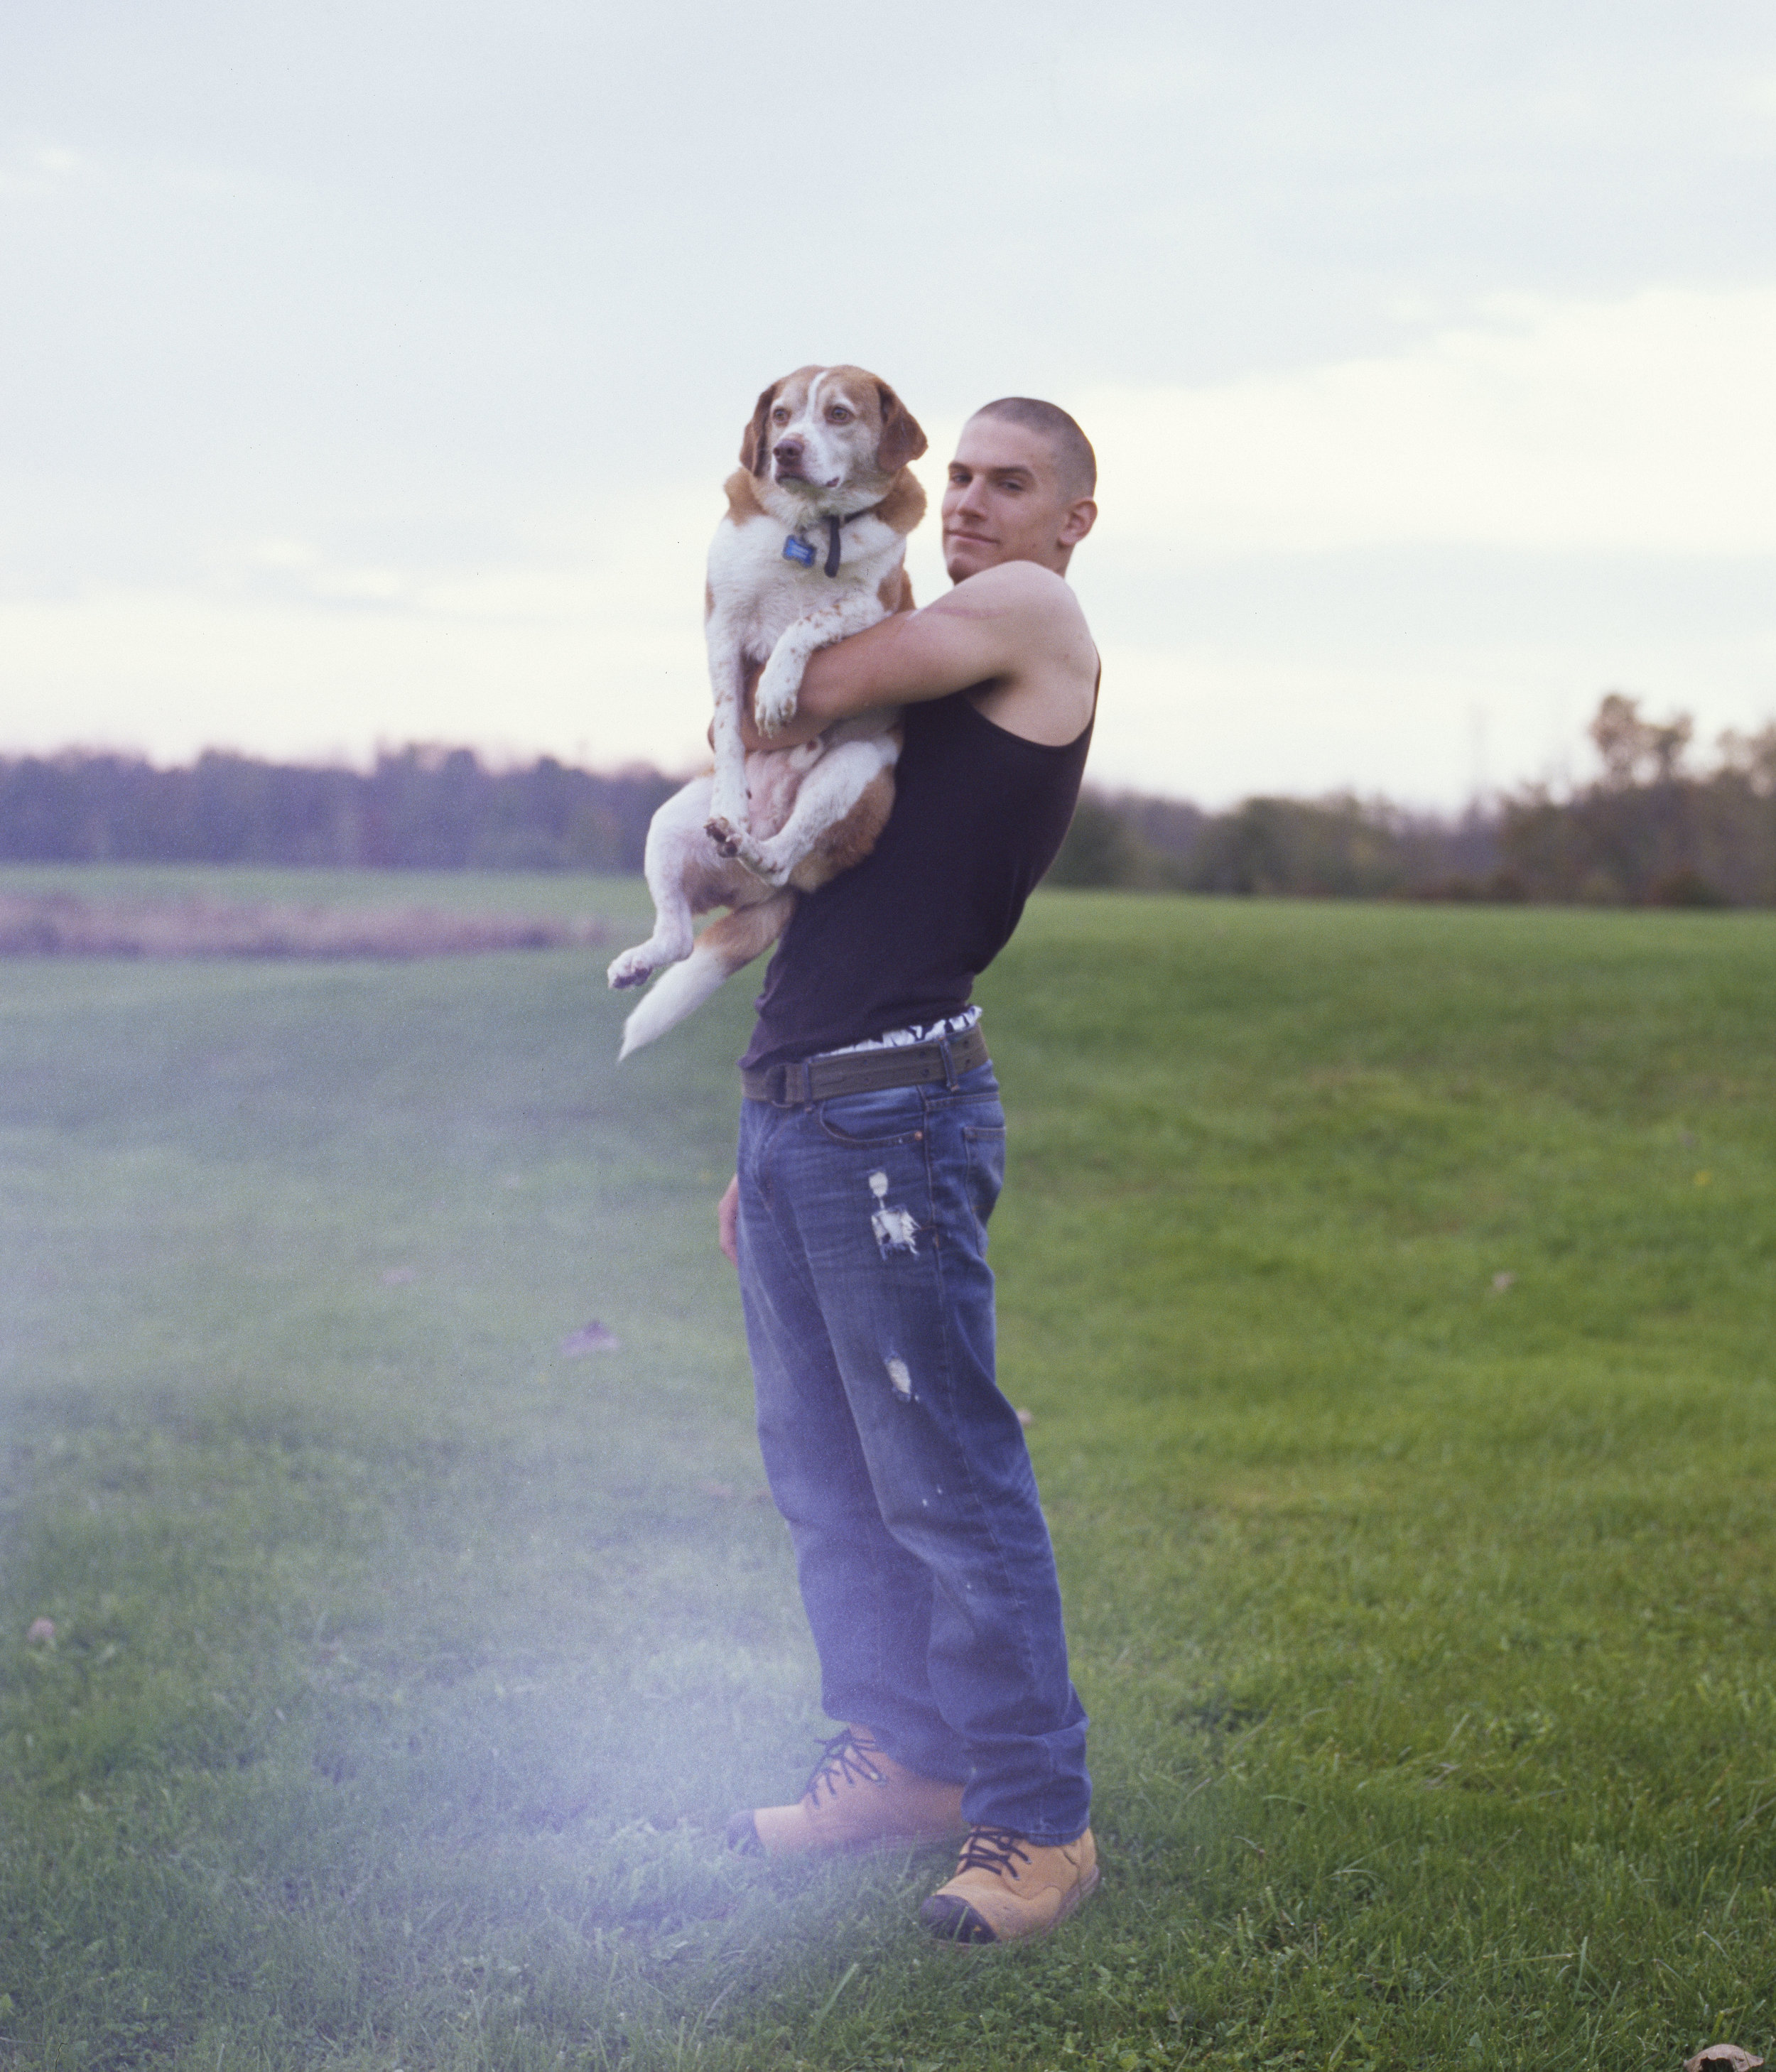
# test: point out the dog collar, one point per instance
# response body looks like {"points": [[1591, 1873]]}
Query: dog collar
{"points": [[797, 550]]}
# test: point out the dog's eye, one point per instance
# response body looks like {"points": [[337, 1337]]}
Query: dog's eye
{"points": [[779, 416], [839, 415]]}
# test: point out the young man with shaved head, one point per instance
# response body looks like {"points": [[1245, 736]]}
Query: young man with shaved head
{"points": [[872, 1147]]}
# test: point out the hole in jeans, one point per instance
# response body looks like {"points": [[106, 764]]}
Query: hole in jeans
{"points": [[894, 1228]]}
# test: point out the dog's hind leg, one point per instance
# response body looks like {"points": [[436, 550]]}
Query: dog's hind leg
{"points": [[675, 835], [722, 949], [828, 792]]}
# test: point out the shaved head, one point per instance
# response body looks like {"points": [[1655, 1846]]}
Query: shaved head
{"points": [[1074, 459]]}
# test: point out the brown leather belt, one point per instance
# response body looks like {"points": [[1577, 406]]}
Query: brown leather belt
{"points": [[865, 1071]]}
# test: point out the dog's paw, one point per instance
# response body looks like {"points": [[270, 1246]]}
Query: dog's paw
{"points": [[762, 861], [633, 968], [773, 703], [727, 838]]}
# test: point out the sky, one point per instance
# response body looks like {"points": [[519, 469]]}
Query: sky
{"points": [[370, 370]]}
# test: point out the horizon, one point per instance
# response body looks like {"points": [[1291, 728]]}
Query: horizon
{"points": [[1697, 760]]}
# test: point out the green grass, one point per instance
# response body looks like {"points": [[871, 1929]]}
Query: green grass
{"points": [[405, 1669]]}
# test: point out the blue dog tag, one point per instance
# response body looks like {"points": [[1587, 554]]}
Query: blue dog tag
{"points": [[798, 550]]}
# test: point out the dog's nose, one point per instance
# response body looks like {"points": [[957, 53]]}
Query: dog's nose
{"points": [[788, 449]]}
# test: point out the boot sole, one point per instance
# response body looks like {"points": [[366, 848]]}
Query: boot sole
{"points": [[952, 1920]]}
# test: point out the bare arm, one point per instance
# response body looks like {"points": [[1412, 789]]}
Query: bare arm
{"points": [[1016, 630]]}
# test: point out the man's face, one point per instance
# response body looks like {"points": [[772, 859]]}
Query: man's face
{"points": [[1005, 502]]}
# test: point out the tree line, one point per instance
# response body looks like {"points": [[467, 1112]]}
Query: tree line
{"points": [[1650, 828], [418, 808], [1653, 827]]}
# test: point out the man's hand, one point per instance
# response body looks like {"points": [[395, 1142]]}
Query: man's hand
{"points": [[727, 1216]]}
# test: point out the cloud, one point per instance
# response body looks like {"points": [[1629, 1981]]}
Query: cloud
{"points": [[1645, 423]]}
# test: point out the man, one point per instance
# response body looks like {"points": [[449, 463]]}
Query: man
{"points": [[872, 1148]]}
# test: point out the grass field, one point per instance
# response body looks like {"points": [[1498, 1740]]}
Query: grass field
{"points": [[1394, 1289]]}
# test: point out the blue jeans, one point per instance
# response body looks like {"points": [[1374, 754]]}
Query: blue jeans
{"points": [[923, 1557]]}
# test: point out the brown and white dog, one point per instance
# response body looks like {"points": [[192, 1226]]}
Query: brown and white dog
{"points": [[812, 548]]}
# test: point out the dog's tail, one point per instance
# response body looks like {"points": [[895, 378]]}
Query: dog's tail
{"points": [[720, 951]]}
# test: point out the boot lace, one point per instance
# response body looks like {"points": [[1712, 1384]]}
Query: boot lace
{"points": [[844, 1760], [992, 1849]]}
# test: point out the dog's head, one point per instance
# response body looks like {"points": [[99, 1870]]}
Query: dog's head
{"points": [[830, 435]]}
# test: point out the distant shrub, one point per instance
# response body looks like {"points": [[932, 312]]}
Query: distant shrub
{"points": [[1102, 847], [1686, 888], [1337, 847]]}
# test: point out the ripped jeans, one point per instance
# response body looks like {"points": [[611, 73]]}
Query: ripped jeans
{"points": [[923, 1554]]}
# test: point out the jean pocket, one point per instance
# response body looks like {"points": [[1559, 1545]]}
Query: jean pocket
{"points": [[986, 1149], [892, 1114]]}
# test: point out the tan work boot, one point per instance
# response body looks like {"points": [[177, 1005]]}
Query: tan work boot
{"points": [[857, 1798], [1007, 1887]]}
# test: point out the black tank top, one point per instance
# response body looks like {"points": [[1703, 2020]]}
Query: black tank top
{"points": [[978, 815]]}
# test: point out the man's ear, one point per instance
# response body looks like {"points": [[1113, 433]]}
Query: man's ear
{"points": [[901, 440], [755, 441], [1081, 516]]}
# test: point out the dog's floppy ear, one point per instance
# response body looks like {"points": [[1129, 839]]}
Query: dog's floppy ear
{"points": [[901, 440], [755, 440]]}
